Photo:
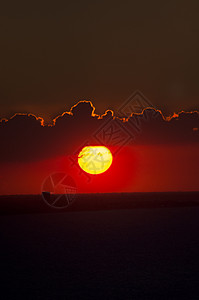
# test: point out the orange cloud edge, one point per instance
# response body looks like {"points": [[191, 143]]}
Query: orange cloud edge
{"points": [[93, 114]]}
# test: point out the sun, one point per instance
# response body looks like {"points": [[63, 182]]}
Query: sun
{"points": [[95, 159]]}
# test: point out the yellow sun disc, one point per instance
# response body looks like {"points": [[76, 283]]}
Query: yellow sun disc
{"points": [[95, 159]]}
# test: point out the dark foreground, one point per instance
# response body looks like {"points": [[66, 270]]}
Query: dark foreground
{"points": [[20, 204], [148, 253]]}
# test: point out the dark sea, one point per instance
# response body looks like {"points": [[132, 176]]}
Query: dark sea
{"points": [[115, 254]]}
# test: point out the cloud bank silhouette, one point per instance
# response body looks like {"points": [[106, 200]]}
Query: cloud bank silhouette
{"points": [[26, 138]]}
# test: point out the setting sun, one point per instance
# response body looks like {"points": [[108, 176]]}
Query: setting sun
{"points": [[95, 159]]}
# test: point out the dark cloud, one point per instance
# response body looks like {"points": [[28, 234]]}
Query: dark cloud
{"points": [[26, 138]]}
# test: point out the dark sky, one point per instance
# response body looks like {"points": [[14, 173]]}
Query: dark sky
{"points": [[54, 53]]}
